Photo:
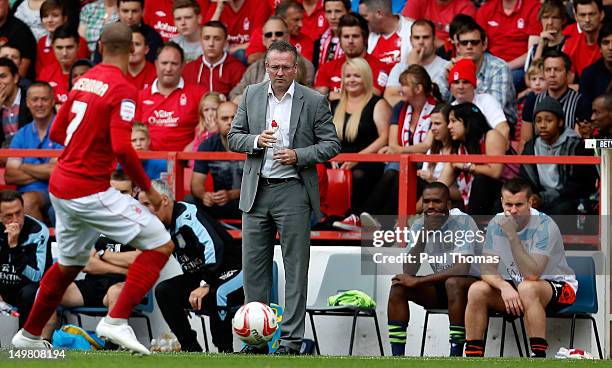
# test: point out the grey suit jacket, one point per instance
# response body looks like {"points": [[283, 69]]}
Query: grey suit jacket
{"points": [[311, 132]]}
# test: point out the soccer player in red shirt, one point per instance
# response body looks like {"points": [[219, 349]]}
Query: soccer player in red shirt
{"points": [[94, 125], [53, 16], [582, 46], [65, 46], [141, 73], [170, 107], [353, 32], [216, 70]]}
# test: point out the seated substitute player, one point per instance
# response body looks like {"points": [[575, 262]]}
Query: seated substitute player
{"points": [[532, 275], [23, 253], [94, 125], [448, 286], [212, 272]]}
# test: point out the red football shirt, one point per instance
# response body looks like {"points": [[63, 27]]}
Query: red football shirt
{"points": [[330, 73], [241, 23], [95, 125], [580, 52], [315, 24], [45, 55], [440, 14], [508, 34], [57, 79], [145, 78], [172, 119], [220, 77]]}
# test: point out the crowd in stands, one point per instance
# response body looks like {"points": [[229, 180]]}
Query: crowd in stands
{"points": [[463, 77]]}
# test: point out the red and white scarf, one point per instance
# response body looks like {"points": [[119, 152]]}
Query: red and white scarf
{"points": [[329, 48]]}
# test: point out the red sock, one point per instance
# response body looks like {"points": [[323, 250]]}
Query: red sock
{"points": [[52, 287], [141, 276]]}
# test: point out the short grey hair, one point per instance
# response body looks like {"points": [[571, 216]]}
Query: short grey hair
{"points": [[282, 46], [163, 188]]}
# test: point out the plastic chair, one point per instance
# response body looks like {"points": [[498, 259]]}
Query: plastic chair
{"points": [[506, 319], [139, 311], [585, 305], [273, 299], [339, 189], [343, 272]]}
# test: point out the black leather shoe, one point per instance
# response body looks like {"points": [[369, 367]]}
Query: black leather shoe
{"points": [[249, 349], [285, 350]]}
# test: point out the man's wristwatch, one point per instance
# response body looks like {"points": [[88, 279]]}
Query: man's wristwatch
{"points": [[101, 253], [203, 284]]}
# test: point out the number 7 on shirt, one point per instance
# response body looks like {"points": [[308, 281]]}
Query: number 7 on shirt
{"points": [[78, 108]]}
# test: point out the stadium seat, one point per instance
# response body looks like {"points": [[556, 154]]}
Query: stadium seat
{"points": [[343, 272], [139, 311], [506, 319], [273, 299], [339, 189], [585, 305]]}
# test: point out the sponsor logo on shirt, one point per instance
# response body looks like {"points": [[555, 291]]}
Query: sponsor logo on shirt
{"points": [[127, 110], [493, 23], [390, 57], [238, 39], [382, 79], [163, 118]]}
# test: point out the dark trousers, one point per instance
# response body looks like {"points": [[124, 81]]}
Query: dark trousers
{"points": [[485, 196], [21, 297], [219, 304], [365, 177]]}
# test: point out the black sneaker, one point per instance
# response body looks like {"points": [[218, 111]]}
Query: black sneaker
{"points": [[285, 350], [250, 349]]}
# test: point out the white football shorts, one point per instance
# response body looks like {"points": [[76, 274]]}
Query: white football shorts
{"points": [[80, 221]]}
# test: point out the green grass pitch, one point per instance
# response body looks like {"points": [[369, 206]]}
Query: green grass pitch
{"points": [[189, 360]]}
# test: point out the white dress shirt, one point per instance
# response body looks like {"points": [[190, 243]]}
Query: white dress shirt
{"points": [[280, 111]]}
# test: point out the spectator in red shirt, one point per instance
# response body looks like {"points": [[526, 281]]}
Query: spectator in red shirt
{"points": [[353, 31], [512, 28], [582, 47], [159, 14], [314, 23], [389, 39], [216, 70], [327, 47], [242, 18], [53, 16], [292, 13], [169, 107], [65, 46], [141, 73], [440, 12]]}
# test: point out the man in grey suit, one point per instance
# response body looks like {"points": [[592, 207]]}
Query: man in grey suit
{"points": [[279, 183]]}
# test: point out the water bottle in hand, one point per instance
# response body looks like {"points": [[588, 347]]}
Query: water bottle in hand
{"points": [[278, 134]]}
